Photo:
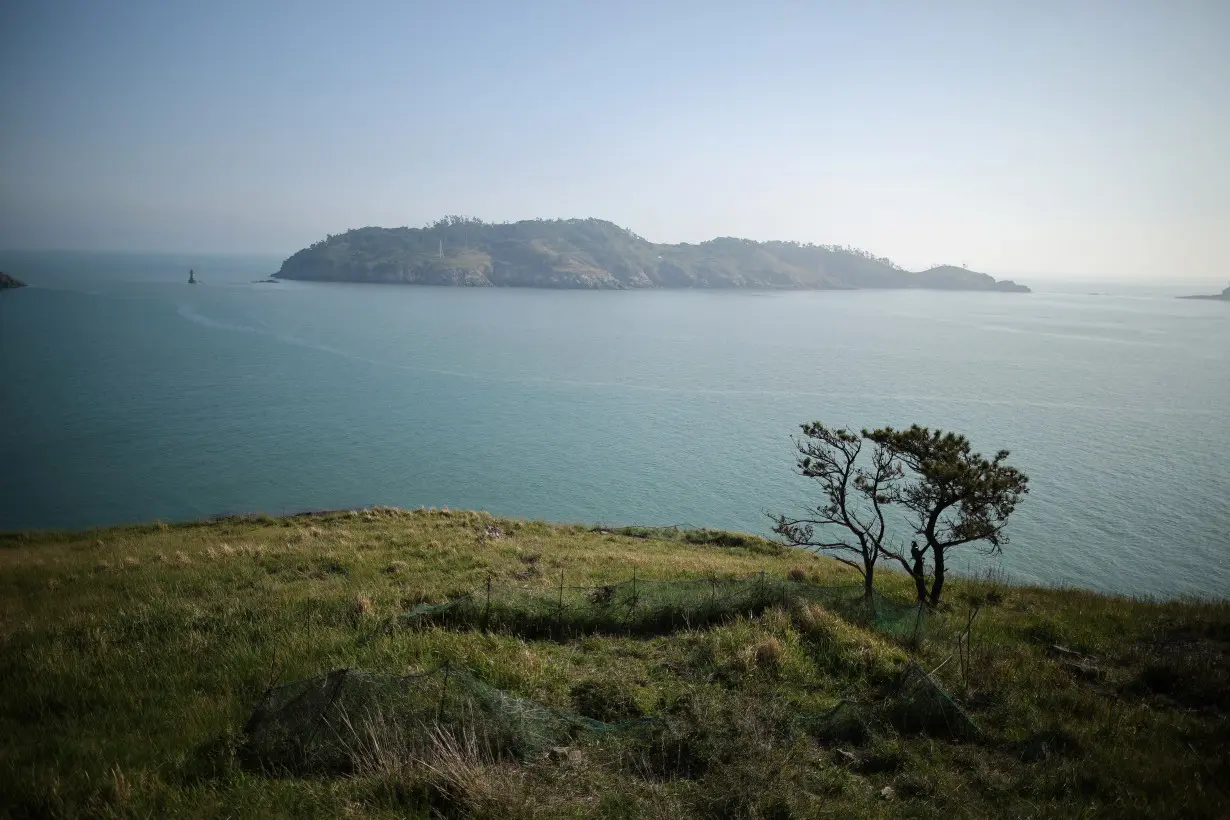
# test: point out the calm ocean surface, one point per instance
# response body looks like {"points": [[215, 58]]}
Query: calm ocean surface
{"points": [[128, 395]]}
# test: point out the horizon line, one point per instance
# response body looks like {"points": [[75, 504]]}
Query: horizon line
{"points": [[1048, 276]]}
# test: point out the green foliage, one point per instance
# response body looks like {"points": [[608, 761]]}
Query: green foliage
{"points": [[592, 253], [955, 495]]}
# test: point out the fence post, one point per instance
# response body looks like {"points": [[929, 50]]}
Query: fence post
{"points": [[448, 670], [917, 633]]}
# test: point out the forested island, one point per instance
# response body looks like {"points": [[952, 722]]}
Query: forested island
{"points": [[596, 254], [7, 282]]}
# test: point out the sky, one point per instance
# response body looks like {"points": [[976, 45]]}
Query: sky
{"points": [[1088, 140]]}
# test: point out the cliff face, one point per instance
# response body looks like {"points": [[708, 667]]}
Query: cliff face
{"points": [[591, 253], [7, 282]]}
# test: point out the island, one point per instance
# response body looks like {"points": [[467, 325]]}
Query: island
{"points": [[1223, 297], [596, 254], [7, 282]]}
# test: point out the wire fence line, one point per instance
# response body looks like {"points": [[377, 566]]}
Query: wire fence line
{"points": [[640, 606]]}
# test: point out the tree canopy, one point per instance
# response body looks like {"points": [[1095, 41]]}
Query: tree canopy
{"points": [[949, 494]]}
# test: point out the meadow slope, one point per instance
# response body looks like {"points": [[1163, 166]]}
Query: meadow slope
{"points": [[131, 658]]}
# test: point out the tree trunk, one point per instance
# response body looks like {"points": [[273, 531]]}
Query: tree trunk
{"points": [[869, 571], [938, 584], [919, 573]]}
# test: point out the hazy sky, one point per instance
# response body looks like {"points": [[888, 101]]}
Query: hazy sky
{"points": [[1079, 138]]}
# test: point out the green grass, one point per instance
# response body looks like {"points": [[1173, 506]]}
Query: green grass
{"points": [[130, 659]]}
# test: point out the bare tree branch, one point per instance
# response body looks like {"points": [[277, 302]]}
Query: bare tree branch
{"points": [[849, 518]]}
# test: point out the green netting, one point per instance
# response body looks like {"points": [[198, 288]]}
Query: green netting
{"points": [[845, 722], [921, 704], [917, 703], [656, 607], [333, 722]]}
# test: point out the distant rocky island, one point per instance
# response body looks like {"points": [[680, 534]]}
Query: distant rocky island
{"points": [[1223, 297], [595, 254], [7, 282]]}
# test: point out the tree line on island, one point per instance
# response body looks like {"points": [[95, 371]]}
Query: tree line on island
{"points": [[593, 253], [945, 494]]}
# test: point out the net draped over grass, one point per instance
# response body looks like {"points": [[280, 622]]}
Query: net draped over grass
{"points": [[330, 723], [326, 723]]}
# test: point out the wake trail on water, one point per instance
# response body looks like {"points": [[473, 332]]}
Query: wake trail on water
{"points": [[191, 315]]}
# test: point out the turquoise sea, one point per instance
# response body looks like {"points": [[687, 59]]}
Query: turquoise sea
{"points": [[128, 395]]}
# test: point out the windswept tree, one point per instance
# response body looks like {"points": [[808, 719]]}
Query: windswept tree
{"points": [[954, 496], [848, 523]]}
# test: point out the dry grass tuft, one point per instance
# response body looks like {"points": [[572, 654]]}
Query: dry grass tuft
{"points": [[120, 791], [452, 774], [769, 653], [797, 574], [362, 607], [766, 654], [807, 617]]}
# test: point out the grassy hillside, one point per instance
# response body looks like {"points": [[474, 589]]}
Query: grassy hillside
{"points": [[130, 659], [592, 253]]}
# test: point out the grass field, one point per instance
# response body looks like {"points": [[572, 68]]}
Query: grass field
{"points": [[131, 658]]}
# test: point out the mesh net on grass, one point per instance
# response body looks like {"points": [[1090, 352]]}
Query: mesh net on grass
{"points": [[917, 704], [332, 723], [340, 721], [655, 607], [921, 704]]}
